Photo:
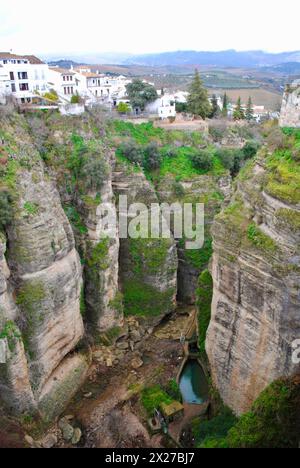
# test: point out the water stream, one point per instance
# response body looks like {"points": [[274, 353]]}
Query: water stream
{"points": [[193, 384]]}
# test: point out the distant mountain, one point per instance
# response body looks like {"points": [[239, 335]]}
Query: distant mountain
{"points": [[289, 68], [226, 58], [64, 63], [90, 58]]}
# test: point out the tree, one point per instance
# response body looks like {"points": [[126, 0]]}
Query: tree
{"points": [[214, 107], [225, 106], [202, 160], [249, 110], [140, 94], [239, 112], [123, 108], [198, 103], [181, 107], [75, 99]]}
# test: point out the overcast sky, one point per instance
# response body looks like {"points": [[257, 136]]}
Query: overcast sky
{"points": [[145, 26]]}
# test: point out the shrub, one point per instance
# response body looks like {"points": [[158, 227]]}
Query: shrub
{"points": [[273, 421], [250, 149], [202, 160], [173, 390], [123, 108], [5, 209], [212, 433], [178, 189], [132, 151], [153, 397], [152, 157], [94, 171], [75, 99]]}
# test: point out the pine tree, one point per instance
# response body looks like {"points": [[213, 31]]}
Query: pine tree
{"points": [[214, 106], [249, 111], [225, 106], [198, 103], [239, 113]]}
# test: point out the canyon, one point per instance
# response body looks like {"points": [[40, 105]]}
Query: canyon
{"points": [[70, 296]]}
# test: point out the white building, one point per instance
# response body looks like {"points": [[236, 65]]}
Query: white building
{"points": [[63, 82], [99, 87], [22, 76], [164, 107]]}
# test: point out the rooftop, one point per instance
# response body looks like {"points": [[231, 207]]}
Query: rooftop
{"points": [[31, 58], [62, 71], [171, 409]]}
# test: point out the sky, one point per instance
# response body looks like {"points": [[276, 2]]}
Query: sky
{"points": [[144, 26]]}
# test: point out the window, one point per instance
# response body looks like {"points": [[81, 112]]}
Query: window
{"points": [[5, 62], [22, 75], [11, 76], [64, 78], [24, 87], [71, 89], [13, 87], [23, 100]]}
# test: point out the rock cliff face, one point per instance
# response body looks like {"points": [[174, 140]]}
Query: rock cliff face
{"points": [[256, 273], [40, 285], [290, 110], [213, 192], [148, 267]]}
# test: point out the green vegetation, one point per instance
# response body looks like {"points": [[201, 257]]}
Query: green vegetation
{"points": [[202, 160], [290, 219], [30, 296], [117, 303], [75, 99], [148, 255], [97, 258], [261, 240], [145, 301], [283, 180], [75, 219], [239, 113], [199, 258], [212, 433], [6, 212], [153, 397], [273, 421], [198, 103], [140, 94], [173, 390], [204, 294], [123, 108], [249, 114], [31, 208], [11, 333], [87, 163]]}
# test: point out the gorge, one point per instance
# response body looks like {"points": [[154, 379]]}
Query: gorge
{"points": [[79, 309]]}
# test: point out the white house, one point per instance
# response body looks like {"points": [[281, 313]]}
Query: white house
{"points": [[98, 87], [22, 76], [164, 107], [63, 82]]}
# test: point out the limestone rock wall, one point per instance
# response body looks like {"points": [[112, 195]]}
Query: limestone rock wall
{"points": [[256, 301], [290, 110], [213, 192], [148, 268]]}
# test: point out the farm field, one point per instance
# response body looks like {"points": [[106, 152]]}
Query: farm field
{"points": [[260, 96]]}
